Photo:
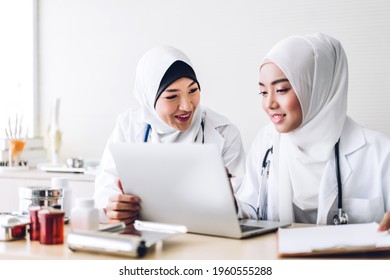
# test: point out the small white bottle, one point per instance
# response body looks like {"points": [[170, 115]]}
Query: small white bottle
{"points": [[84, 216], [63, 183]]}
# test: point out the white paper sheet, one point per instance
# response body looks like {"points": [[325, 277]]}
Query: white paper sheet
{"points": [[317, 238]]}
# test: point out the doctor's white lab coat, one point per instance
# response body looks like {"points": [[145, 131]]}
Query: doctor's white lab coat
{"points": [[218, 130], [365, 176]]}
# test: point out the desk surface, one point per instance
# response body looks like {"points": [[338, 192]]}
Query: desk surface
{"points": [[185, 247], [181, 247]]}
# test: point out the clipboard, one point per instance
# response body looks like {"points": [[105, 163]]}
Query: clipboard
{"points": [[332, 240]]}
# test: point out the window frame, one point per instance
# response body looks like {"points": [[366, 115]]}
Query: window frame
{"points": [[28, 78]]}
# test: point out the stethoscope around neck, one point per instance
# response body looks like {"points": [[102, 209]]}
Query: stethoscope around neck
{"points": [[340, 218], [149, 128]]}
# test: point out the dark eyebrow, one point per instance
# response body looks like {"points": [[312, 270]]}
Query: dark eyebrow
{"points": [[171, 90], [276, 81], [193, 82], [175, 90]]}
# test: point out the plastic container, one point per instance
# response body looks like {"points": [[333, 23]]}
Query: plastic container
{"points": [[63, 183], [84, 216]]}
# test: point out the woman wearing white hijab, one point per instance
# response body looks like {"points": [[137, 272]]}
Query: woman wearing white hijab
{"points": [[169, 94], [304, 85]]}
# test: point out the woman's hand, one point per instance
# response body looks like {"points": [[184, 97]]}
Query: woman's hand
{"points": [[385, 224], [122, 207]]}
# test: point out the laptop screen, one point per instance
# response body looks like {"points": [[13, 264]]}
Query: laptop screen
{"points": [[183, 184]]}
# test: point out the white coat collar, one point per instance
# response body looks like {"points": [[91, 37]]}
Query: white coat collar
{"points": [[212, 122], [351, 140]]}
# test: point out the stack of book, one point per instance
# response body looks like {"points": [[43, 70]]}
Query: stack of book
{"points": [[33, 152]]}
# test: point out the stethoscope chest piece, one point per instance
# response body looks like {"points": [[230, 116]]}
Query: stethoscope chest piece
{"points": [[341, 218]]}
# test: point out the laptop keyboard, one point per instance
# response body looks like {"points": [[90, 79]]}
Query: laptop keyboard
{"points": [[245, 228]]}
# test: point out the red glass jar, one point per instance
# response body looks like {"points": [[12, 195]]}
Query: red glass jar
{"points": [[51, 226], [34, 222]]}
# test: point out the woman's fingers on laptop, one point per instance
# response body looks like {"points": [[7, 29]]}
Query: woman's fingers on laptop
{"points": [[123, 208], [123, 202], [126, 216], [124, 198], [121, 215]]}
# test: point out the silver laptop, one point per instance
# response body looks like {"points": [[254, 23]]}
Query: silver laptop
{"points": [[184, 184]]}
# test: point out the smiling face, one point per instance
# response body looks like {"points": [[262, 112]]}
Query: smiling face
{"points": [[177, 103], [280, 101]]}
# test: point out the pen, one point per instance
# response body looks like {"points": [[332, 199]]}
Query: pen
{"points": [[133, 199], [120, 187]]}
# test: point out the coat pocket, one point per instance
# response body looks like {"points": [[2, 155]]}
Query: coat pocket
{"points": [[364, 210]]}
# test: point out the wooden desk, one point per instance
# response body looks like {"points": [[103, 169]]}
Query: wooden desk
{"points": [[185, 247], [181, 247]]}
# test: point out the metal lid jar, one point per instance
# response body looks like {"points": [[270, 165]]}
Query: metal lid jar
{"points": [[40, 196]]}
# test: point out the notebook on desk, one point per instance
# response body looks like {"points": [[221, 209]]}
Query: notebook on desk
{"points": [[184, 184]]}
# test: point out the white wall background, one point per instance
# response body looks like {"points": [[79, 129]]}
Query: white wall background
{"points": [[88, 51]]}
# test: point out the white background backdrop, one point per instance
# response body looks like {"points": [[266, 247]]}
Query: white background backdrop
{"points": [[88, 51]]}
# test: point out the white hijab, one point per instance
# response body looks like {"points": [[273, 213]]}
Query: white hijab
{"points": [[317, 69], [150, 71]]}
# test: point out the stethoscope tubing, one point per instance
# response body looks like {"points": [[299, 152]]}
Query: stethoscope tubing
{"points": [[341, 214], [338, 176]]}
